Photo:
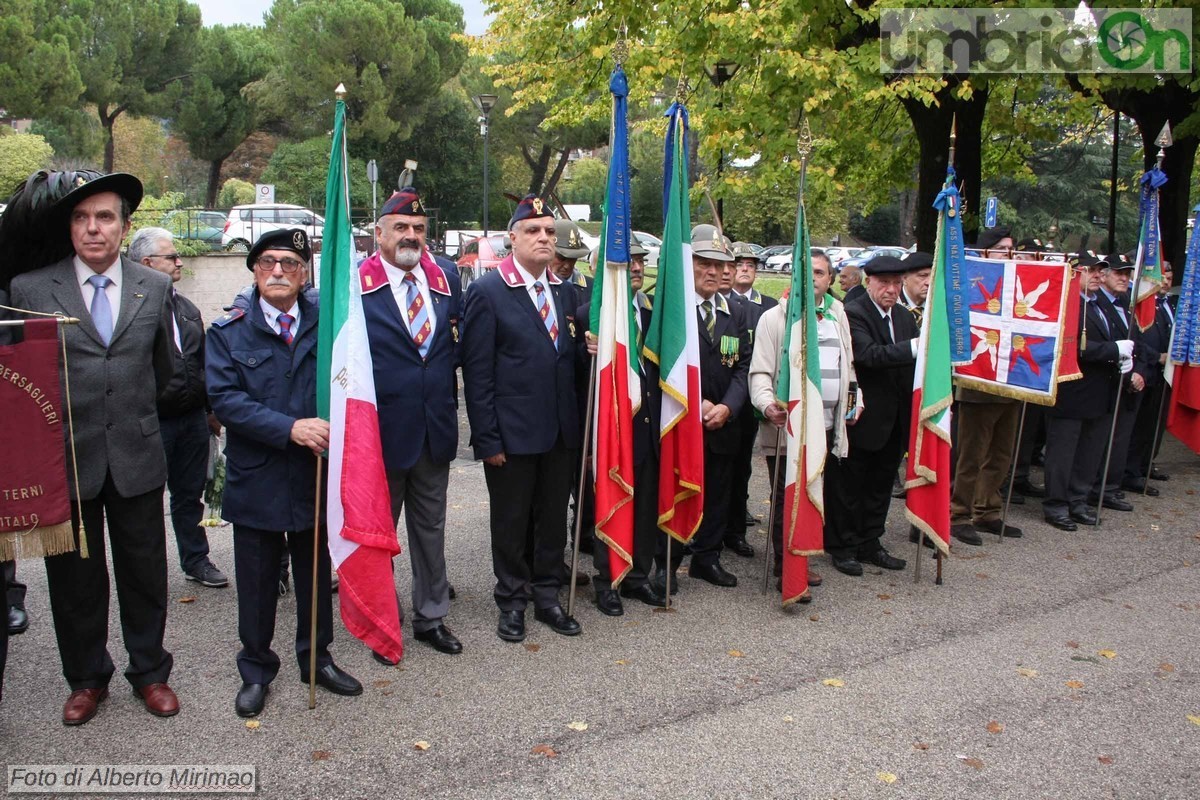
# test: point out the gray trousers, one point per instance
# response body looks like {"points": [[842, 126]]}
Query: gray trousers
{"points": [[420, 492]]}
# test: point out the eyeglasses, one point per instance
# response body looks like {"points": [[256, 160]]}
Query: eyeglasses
{"points": [[267, 264], [167, 256]]}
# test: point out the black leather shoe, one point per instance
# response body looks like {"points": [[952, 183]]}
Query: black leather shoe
{"points": [[751, 520], [1116, 503], [1062, 522], [453, 594], [1138, 486], [848, 566], [993, 527], [382, 659], [660, 583], [740, 547], [511, 627], [334, 679], [442, 640], [882, 558], [1018, 499], [1029, 489], [966, 534], [1157, 474], [18, 620], [1084, 517], [646, 593], [250, 699], [609, 602], [557, 619], [713, 573], [581, 577]]}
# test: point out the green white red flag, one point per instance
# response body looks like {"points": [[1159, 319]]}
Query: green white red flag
{"points": [[618, 387], [928, 473], [798, 389], [672, 342], [362, 538]]}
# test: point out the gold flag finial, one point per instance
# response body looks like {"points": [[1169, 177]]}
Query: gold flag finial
{"points": [[340, 91], [681, 90], [621, 48], [804, 142]]}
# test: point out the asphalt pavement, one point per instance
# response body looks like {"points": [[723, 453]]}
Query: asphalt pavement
{"points": [[1052, 666]]}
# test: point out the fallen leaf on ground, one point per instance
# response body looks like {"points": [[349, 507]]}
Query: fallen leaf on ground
{"points": [[543, 750], [1108, 653], [253, 724], [736, 654], [421, 745], [1127, 605], [1074, 684], [884, 597], [836, 683], [621, 662], [381, 683], [1105, 759], [888, 613], [531, 647], [187, 599], [1165, 667], [321, 755], [814, 617], [1194, 719], [994, 727], [1073, 645], [577, 726], [1069, 557], [971, 761], [920, 746], [886, 777], [1026, 672], [1153, 527], [981, 575], [788, 718]]}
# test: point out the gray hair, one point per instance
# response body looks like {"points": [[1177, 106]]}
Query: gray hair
{"points": [[144, 240]]}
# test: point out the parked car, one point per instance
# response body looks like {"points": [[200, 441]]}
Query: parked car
{"points": [[871, 252], [839, 254], [197, 226], [482, 254], [782, 262], [246, 223], [652, 244]]}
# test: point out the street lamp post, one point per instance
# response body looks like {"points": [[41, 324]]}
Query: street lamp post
{"points": [[485, 103], [720, 74]]}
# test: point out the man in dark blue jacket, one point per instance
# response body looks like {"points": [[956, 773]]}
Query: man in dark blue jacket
{"points": [[411, 305], [261, 369], [519, 375]]}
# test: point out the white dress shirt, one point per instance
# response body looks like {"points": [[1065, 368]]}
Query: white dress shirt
{"points": [[529, 281], [271, 314], [112, 291], [400, 292]]}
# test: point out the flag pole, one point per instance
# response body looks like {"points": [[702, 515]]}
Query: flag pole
{"points": [[312, 634], [1154, 441], [583, 472], [1012, 473], [771, 511]]}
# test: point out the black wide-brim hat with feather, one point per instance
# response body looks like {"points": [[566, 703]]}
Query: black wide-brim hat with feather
{"points": [[85, 183]]}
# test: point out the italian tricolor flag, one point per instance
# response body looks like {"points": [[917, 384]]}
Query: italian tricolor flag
{"points": [[928, 474], [618, 389], [798, 389], [673, 343], [362, 539]]}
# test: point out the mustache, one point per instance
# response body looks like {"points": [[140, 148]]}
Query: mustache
{"points": [[278, 282], [409, 244]]}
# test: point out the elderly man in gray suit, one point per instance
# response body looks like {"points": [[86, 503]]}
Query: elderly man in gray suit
{"points": [[120, 356]]}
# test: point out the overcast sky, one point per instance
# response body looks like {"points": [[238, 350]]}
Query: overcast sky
{"points": [[250, 12]]}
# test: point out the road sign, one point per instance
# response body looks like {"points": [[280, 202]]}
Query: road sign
{"points": [[372, 171], [993, 210], [264, 193]]}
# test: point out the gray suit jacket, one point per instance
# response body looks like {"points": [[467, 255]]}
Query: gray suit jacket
{"points": [[113, 389]]}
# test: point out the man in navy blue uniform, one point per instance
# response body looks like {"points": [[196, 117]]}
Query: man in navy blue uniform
{"points": [[411, 305], [1148, 430], [261, 368], [519, 375]]}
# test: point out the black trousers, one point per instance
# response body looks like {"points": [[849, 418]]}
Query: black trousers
{"points": [[15, 593], [718, 484], [645, 528], [256, 555], [3, 629], [829, 494], [1074, 456], [1147, 430], [528, 497], [79, 591], [1130, 405], [739, 493], [185, 442], [864, 493], [1032, 437]]}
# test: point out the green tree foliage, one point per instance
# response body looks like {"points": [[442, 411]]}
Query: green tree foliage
{"points": [[299, 170], [37, 69], [235, 192], [390, 55], [213, 112], [21, 155], [75, 134]]}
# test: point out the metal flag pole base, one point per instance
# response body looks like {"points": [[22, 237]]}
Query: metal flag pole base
{"points": [[920, 546], [766, 585], [1012, 473], [667, 582], [1154, 440], [312, 651], [938, 580], [583, 471], [1112, 431]]}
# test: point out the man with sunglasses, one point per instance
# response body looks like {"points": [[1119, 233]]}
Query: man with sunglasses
{"points": [[262, 382]]}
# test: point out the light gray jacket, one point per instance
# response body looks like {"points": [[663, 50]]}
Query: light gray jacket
{"points": [[114, 388]]}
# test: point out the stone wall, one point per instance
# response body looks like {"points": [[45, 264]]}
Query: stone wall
{"points": [[212, 281]]}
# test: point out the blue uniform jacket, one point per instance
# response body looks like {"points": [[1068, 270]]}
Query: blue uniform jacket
{"points": [[520, 388], [416, 397], [258, 387]]}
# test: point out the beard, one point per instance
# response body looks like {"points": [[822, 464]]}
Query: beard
{"points": [[407, 256]]}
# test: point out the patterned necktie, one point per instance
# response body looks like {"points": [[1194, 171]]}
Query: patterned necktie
{"points": [[285, 327], [710, 321], [101, 311], [418, 315], [546, 312]]}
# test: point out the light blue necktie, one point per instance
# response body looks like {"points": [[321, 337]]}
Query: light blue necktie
{"points": [[101, 311]]}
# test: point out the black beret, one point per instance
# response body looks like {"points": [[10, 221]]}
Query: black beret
{"points": [[989, 237], [294, 239], [918, 260], [1087, 260], [531, 206], [406, 201], [885, 265], [1118, 262]]}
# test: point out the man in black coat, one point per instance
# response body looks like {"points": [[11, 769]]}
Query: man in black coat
{"points": [[884, 334], [1148, 430]]}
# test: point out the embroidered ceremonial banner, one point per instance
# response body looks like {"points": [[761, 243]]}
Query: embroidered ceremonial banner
{"points": [[1183, 367], [35, 507], [1068, 365], [1017, 313]]}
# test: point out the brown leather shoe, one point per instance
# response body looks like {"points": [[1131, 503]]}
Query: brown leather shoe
{"points": [[160, 700], [82, 705], [814, 578]]}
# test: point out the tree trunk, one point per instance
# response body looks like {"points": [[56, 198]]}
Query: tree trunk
{"points": [[537, 178], [552, 183], [214, 181], [106, 122]]}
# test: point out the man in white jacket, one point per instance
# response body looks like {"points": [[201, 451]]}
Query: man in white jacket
{"points": [[837, 376]]}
